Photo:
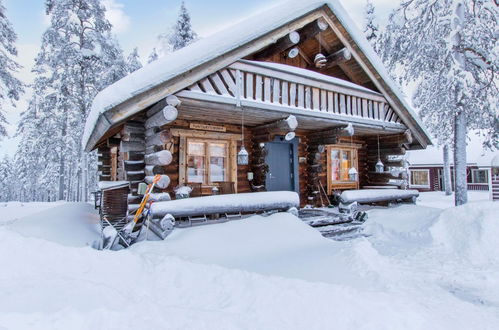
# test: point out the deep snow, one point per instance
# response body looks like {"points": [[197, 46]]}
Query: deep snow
{"points": [[419, 268]]}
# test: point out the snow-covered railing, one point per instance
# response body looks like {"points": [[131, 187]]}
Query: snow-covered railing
{"points": [[287, 86]]}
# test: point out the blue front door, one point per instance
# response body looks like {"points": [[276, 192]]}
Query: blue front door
{"points": [[280, 159]]}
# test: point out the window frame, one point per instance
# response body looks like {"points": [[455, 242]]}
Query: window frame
{"points": [[206, 178], [474, 170], [427, 186], [342, 184]]}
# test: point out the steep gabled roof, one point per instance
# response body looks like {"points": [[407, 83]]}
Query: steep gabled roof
{"points": [[178, 70]]}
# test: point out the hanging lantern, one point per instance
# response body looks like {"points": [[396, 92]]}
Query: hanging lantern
{"points": [[352, 174], [380, 167], [320, 61], [242, 157]]}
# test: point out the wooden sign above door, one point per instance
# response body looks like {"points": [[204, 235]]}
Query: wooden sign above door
{"points": [[207, 127]]}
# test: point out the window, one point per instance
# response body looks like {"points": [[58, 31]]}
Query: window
{"points": [[420, 178], [207, 161], [340, 160], [479, 176]]}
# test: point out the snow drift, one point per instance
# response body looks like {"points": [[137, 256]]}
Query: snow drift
{"points": [[469, 232], [257, 273]]}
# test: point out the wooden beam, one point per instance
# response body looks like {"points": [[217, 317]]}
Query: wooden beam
{"points": [[288, 124], [312, 29], [280, 45], [338, 57]]}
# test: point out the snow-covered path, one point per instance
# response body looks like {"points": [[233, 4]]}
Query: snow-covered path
{"points": [[419, 268]]}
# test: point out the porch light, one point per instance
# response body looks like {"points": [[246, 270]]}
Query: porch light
{"points": [[352, 174], [242, 157], [380, 167]]}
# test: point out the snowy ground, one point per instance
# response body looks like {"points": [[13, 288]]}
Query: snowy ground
{"points": [[419, 267]]}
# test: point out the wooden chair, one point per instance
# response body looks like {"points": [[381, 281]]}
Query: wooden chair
{"points": [[196, 189], [226, 187]]}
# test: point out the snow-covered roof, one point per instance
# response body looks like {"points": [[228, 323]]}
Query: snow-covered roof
{"points": [[433, 155], [184, 61]]}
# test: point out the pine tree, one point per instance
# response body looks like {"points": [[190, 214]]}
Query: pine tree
{"points": [[153, 57], [449, 48], [10, 87], [133, 61], [183, 33], [371, 28], [7, 180], [78, 58]]}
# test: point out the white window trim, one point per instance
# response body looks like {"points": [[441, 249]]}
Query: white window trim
{"points": [[419, 185], [473, 170]]}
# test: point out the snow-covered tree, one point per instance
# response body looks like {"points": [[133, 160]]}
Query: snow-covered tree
{"points": [[133, 61], [182, 34], [450, 48], [10, 87], [78, 58], [371, 27], [7, 180], [153, 56]]}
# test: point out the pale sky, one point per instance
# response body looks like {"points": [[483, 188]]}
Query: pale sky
{"points": [[137, 23]]}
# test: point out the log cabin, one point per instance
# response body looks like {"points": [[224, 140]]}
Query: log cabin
{"points": [[291, 99]]}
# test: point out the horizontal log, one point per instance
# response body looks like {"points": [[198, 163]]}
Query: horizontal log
{"points": [[153, 149], [387, 151], [159, 138], [152, 170], [323, 140], [312, 29], [160, 197], [387, 163], [387, 175], [113, 142], [279, 46], [163, 157], [132, 129], [163, 117], [152, 131], [344, 130], [173, 101], [163, 182], [129, 137], [341, 56], [288, 124], [135, 175], [132, 146], [133, 166], [136, 155]]}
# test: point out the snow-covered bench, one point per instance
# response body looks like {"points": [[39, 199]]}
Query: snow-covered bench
{"points": [[368, 196], [227, 204]]}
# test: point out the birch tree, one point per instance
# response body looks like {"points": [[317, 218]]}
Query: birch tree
{"points": [[450, 48]]}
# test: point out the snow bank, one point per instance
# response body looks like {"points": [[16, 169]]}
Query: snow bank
{"points": [[257, 273], [469, 233], [12, 211]]}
